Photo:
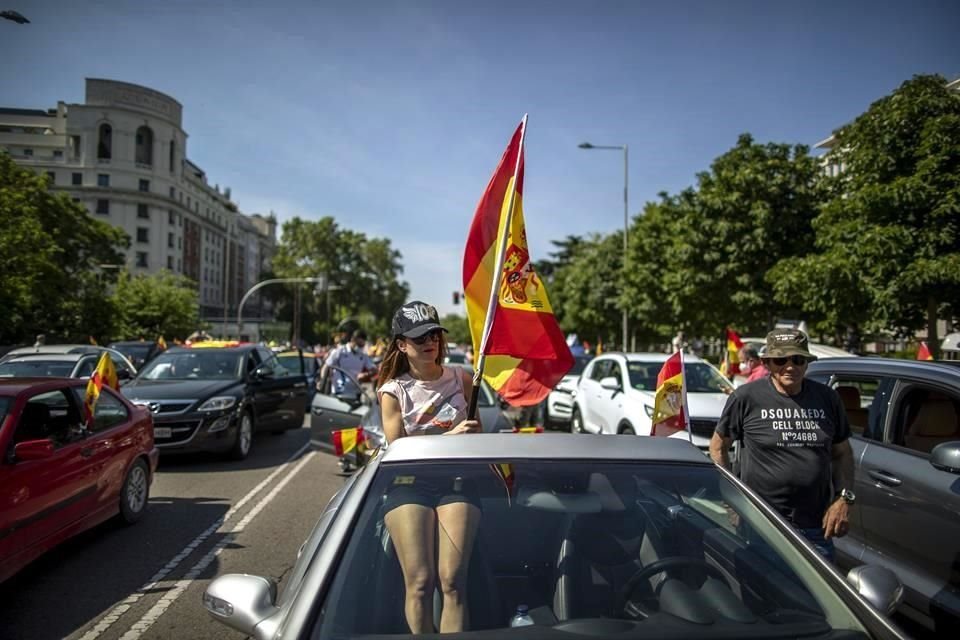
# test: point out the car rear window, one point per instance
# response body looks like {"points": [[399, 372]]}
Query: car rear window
{"points": [[36, 369]]}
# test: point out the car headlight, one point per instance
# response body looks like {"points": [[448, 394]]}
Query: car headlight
{"points": [[648, 410], [218, 403]]}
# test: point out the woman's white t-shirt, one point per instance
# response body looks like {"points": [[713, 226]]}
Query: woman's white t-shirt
{"points": [[429, 406]]}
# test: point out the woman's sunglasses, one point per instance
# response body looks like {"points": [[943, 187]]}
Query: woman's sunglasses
{"points": [[433, 336], [797, 360]]}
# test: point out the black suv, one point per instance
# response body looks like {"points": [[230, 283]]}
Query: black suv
{"points": [[214, 399]]}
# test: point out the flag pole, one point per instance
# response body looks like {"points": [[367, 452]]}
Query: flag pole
{"points": [[496, 280], [683, 395]]}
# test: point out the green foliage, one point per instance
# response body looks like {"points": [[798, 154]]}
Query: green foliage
{"points": [[50, 250], [162, 304], [459, 330], [363, 273], [888, 240], [585, 288]]}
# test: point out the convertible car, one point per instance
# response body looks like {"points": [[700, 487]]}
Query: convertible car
{"points": [[593, 536]]}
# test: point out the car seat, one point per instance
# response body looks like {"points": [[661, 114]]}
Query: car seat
{"points": [[34, 423], [856, 414], [601, 551], [936, 422]]}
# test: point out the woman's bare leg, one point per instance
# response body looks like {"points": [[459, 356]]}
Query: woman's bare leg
{"points": [[412, 529], [457, 529]]}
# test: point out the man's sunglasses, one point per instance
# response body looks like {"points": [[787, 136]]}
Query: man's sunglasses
{"points": [[433, 336], [797, 360]]}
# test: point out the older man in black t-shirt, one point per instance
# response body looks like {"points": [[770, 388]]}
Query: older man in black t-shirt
{"points": [[795, 451]]}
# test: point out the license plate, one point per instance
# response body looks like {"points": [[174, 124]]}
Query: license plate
{"points": [[162, 432]]}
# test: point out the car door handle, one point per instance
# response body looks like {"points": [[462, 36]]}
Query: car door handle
{"points": [[885, 478]]}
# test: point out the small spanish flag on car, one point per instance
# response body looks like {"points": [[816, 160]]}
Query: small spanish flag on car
{"points": [[346, 440]]}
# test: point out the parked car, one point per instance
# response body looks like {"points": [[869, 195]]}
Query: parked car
{"points": [[906, 443], [62, 360], [58, 365], [597, 537], [215, 398], [305, 363], [616, 391], [330, 412], [60, 476], [558, 407], [139, 352]]}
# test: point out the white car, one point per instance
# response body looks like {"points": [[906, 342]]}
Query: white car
{"points": [[616, 392], [559, 404]]}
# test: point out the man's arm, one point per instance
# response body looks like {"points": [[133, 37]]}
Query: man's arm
{"points": [[719, 448], [836, 519]]}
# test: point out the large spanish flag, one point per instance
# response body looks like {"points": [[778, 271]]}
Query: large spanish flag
{"points": [[669, 415], [524, 352], [104, 375]]}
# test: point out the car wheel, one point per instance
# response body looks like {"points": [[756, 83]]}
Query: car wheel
{"points": [[576, 422], [627, 430], [241, 446], [135, 492]]}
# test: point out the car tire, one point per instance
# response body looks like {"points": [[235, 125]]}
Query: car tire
{"points": [[576, 422], [135, 492], [244, 437], [627, 430]]}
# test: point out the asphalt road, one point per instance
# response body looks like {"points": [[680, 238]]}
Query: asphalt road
{"points": [[206, 517]]}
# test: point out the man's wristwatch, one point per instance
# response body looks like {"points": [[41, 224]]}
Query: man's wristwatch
{"points": [[848, 496]]}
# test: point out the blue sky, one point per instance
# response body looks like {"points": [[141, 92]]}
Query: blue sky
{"points": [[391, 116]]}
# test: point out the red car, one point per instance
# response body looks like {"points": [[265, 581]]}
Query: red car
{"points": [[58, 476]]}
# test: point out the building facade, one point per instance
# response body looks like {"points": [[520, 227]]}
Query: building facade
{"points": [[122, 153]]}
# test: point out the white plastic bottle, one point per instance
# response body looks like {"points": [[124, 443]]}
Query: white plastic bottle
{"points": [[521, 618]]}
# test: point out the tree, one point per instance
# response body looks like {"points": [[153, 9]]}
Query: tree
{"points": [[161, 304], [888, 239], [459, 330], [585, 293], [699, 258], [51, 252], [363, 273]]}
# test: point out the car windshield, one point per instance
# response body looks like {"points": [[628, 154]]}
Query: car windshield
{"points": [[206, 364], [700, 377], [36, 368], [291, 362], [596, 548]]}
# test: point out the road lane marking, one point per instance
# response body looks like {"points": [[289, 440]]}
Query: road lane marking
{"points": [[114, 614], [168, 598]]}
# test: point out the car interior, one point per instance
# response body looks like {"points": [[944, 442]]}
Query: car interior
{"points": [[928, 418], [50, 415], [590, 551]]}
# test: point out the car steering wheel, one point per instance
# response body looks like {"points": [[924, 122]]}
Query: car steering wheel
{"points": [[659, 566]]}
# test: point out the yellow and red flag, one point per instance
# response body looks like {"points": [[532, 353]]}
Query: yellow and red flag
{"points": [[923, 353], [104, 375], [731, 359], [345, 440], [524, 351], [670, 400], [162, 343]]}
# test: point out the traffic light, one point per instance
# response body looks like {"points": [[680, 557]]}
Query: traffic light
{"points": [[456, 297]]}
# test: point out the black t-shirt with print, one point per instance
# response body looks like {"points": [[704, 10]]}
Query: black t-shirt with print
{"points": [[787, 442]]}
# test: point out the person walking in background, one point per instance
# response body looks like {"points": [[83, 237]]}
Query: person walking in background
{"points": [[679, 342], [796, 454], [348, 364], [751, 365], [432, 520]]}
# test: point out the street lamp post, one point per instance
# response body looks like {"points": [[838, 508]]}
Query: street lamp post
{"points": [[321, 280], [626, 227]]}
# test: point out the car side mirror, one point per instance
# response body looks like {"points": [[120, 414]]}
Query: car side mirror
{"points": [[124, 374], [946, 457], [33, 450], [610, 384], [878, 585], [263, 373], [241, 601]]}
